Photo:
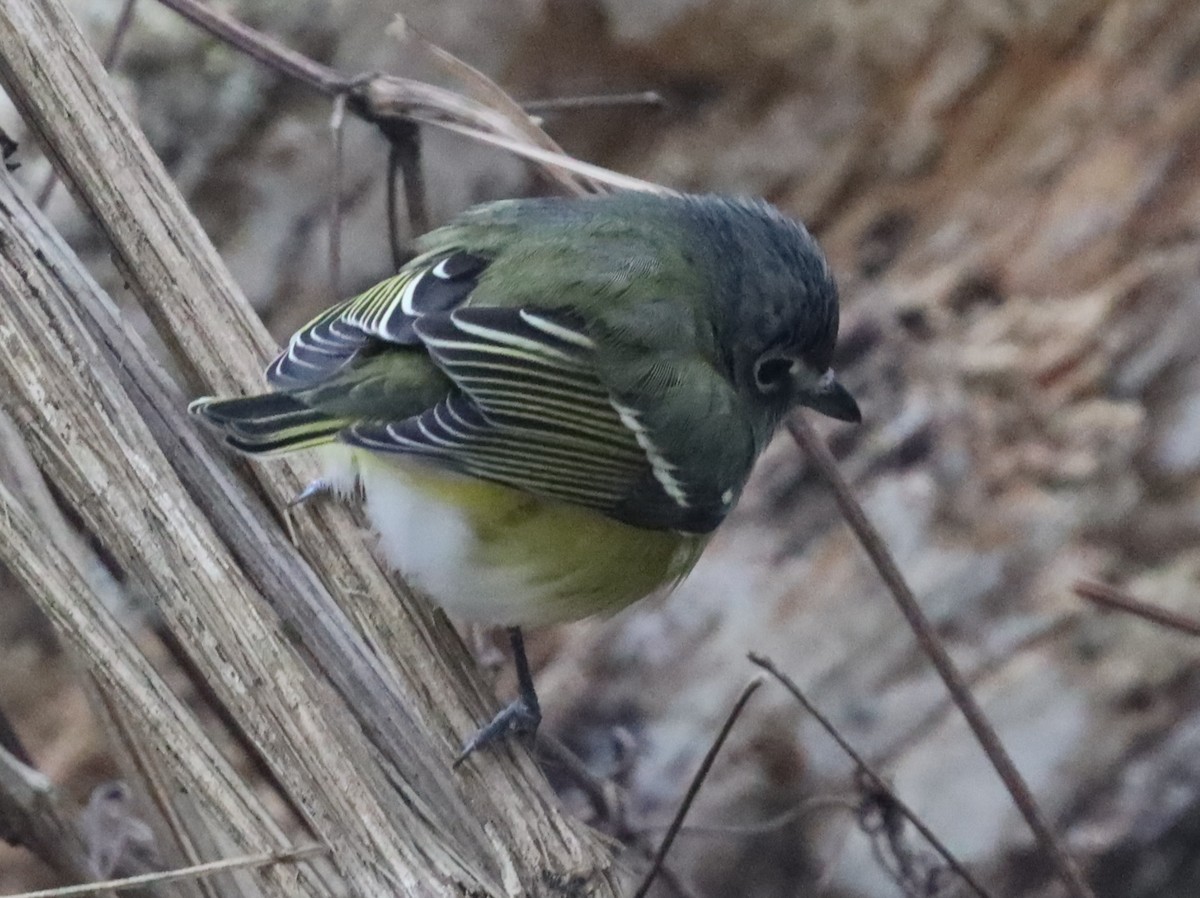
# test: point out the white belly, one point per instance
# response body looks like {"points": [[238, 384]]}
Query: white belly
{"points": [[432, 543]]}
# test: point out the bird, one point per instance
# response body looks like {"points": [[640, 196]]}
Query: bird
{"points": [[551, 408]]}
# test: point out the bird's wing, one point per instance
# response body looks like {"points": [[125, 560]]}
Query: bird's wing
{"points": [[432, 283], [533, 412]]}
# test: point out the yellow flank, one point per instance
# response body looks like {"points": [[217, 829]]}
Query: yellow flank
{"points": [[576, 562]]}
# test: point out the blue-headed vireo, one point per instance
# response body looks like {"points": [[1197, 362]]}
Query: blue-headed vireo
{"points": [[552, 407]]}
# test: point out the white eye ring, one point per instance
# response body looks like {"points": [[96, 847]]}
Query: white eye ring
{"points": [[771, 372]]}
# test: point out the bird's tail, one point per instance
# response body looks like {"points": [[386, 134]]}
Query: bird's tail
{"points": [[269, 424]]}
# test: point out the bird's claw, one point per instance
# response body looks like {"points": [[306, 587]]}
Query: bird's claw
{"points": [[520, 718], [318, 487]]}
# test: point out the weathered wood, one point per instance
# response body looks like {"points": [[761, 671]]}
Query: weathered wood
{"points": [[229, 804], [87, 437]]}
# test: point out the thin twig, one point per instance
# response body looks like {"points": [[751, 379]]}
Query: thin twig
{"points": [[408, 143], [603, 794], [11, 742], [251, 861], [337, 128], [816, 450], [550, 160], [1113, 598], [476, 85], [694, 787], [259, 46], [584, 103], [404, 162], [117, 39], [379, 99], [876, 781], [674, 882], [392, 196], [609, 804], [111, 52], [760, 827]]}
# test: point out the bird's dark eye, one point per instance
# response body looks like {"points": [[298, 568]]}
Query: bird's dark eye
{"points": [[771, 372]]}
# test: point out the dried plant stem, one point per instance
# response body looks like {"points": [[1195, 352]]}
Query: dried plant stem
{"points": [[384, 98], [407, 142], [476, 84], [392, 196], [147, 772], [337, 130], [197, 871], [584, 103], [259, 46], [404, 165], [51, 579], [1109, 597], [814, 447], [11, 743], [551, 161], [866, 770], [693, 789], [120, 29]]}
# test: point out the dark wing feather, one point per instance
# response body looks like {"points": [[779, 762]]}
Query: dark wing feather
{"points": [[528, 408], [386, 313], [534, 415], [456, 433]]}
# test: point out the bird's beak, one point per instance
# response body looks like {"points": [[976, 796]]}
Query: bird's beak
{"points": [[832, 399]]}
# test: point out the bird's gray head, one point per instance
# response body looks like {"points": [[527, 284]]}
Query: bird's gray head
{"points": [[782, 312]]}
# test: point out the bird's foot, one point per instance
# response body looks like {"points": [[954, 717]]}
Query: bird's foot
{"points": [[520, 718], [318, 487]]}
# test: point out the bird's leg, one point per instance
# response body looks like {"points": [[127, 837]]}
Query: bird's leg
{"points": [[521, 716]]}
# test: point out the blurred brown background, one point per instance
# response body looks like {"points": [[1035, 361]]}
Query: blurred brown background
{"points": [[1010, 195]]}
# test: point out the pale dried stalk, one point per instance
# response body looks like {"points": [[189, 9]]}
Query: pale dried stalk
{"points": [[22, 477], [549, 160], [409, 680], [195, 871], [94, 634], [87, 436], [483, 89], [175, 819], [378, 98]]}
